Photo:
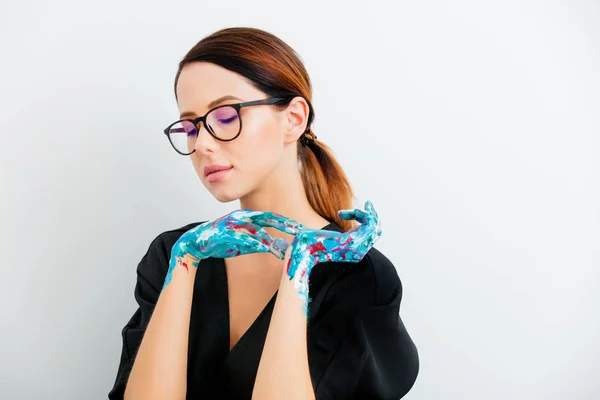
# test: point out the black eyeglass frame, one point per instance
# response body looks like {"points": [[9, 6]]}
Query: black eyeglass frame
{"points": [[237, 107]]}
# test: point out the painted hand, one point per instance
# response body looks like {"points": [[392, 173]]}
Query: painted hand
{"points": [[239, 232], [313, 246]]}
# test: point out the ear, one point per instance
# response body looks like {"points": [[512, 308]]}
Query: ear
{"points": [[295, 118]]}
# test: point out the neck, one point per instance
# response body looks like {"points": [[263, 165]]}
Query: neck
{"points": [[283, 192]]}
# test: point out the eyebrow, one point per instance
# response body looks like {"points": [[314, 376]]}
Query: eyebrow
{"points": [[212, 104]]}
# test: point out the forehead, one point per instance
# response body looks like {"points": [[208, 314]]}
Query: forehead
{"points": [[202, 82]]}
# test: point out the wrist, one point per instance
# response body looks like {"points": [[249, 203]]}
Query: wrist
{"points": [[188, 263], [182, 268]]}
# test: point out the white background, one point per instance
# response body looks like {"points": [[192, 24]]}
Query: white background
{"points": [[472, 126]]}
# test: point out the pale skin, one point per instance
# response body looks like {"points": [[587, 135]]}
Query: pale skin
{"points": [[268, 182], [283, 371]]}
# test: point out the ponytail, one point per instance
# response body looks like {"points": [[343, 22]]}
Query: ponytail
{"points": [[325, 183]]}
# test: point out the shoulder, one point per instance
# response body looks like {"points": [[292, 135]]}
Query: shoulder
{"points": [[171, 236], [376, 275], [161, 245], [154, 264], [386, 282], [371, 282]]}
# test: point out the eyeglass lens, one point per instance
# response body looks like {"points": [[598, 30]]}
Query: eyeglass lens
{"points": [[223, 122]]}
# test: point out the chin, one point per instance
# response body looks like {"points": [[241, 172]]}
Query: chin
{"points": [[225, 195], [226, 199], [230, 190]]}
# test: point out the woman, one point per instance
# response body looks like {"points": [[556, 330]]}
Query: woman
{"points": [[225, 308]]}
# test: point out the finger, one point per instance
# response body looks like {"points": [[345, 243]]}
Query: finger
{"points": [[346, 214], [371, 209], [269, 219], [276, 248], [250, 230], [355, 214], [248, 244], [279, 248], [242, 225], [374, 217], [280, 244], [245, 214], [255, 233]]}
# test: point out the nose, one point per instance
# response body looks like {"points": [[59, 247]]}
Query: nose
{"points": [[205, 142]]}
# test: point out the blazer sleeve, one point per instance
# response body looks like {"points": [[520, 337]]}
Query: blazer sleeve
{"points": [[358, 345], [151, 272]]}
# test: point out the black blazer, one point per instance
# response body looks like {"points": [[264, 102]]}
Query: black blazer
{"points": [[358, 347]]}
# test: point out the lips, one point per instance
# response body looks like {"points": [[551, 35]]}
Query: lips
{"points": [[215, 168]]}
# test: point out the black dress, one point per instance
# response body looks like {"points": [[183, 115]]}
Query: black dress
{"points": [[358, 347]]}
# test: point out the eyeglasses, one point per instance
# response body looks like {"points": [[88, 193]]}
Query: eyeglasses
{"points": [[223, 122]]}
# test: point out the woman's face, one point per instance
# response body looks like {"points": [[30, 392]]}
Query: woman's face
{"points": [[254, 154]]}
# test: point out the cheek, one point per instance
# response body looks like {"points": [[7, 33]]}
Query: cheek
{"points": [[261, 143], [257, 158], [264, 128], [196, 163]]}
